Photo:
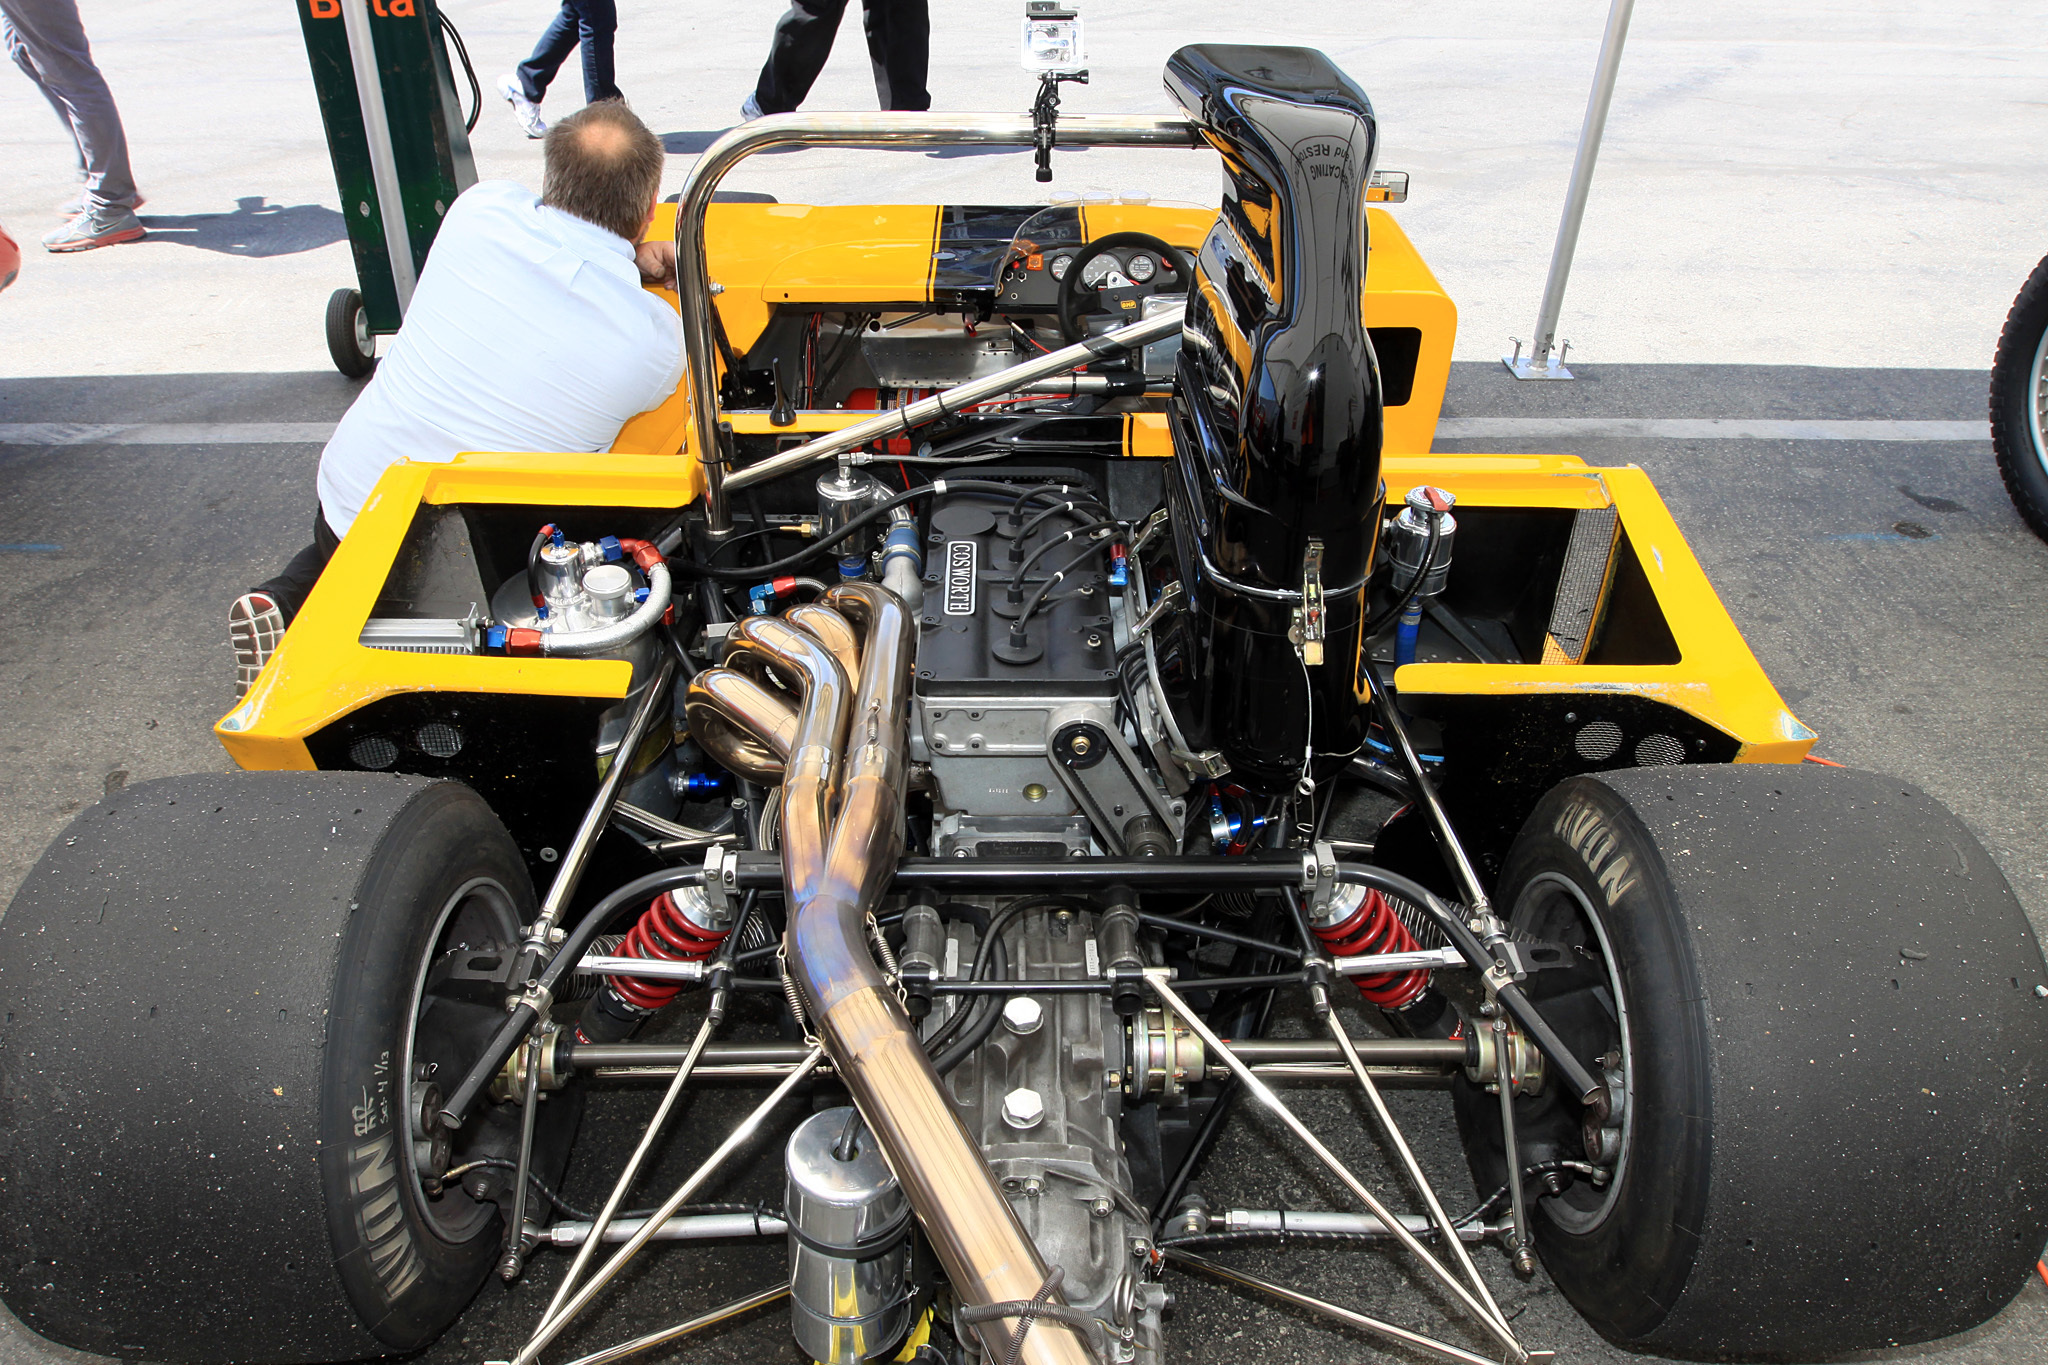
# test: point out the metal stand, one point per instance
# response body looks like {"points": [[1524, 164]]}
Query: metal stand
{"points": [[1539, 363]]}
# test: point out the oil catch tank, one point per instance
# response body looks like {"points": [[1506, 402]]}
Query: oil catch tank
{"points": [[849, 1242]]}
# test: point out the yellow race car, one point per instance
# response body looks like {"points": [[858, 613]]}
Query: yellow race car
{"points": [[1031, 690]]}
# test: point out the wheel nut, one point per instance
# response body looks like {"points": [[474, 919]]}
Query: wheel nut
{"points": [[1023, 1014], [1023, 1109]]}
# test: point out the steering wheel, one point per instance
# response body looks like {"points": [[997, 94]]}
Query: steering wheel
{"points": [[1118, 293]]}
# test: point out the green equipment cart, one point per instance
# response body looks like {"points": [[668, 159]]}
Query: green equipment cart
{"points": [[400, 145]]}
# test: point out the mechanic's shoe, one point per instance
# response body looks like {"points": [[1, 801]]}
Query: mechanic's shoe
{"points": [[523, 109], [102, 227], [255, 625], [78, 204], [750, 109]]}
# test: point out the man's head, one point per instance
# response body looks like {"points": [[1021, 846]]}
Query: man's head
{"points": [[603, 166]]}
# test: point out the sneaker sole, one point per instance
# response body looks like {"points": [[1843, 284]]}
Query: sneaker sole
{"points": [[91, 243], [254, 635]]}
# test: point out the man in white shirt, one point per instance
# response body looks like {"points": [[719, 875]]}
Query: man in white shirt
{"points": [[530, 330]]}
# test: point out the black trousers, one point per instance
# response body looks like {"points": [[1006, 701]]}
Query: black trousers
{"points": [[899, 44], [590, 23], [289, 588]]}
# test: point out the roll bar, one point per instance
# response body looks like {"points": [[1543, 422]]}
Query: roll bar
{"points": [[693, 278]]}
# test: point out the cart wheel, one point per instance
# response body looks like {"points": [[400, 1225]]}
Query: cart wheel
{"points": [[1814, 997], [2019, 401], [227, 1000], [348, 334]]}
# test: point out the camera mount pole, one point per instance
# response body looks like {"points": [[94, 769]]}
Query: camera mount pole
{"points": [[1045, 117], [1539, 363]]}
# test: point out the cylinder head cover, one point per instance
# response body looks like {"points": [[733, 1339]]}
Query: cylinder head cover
{"points": [[849, 1230]]}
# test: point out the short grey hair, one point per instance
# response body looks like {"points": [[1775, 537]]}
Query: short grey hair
{"points": [[603, 166]]}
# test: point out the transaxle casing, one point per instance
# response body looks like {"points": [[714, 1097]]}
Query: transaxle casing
{"points": [[1044, 1096]]}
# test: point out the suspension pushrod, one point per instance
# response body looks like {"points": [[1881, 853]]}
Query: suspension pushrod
{"points": [[1260, 1091], [1347, 1316], [725, 1313]]}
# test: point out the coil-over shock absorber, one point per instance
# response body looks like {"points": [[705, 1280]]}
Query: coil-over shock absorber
{"points": [[1359, 921], [680, 926]]}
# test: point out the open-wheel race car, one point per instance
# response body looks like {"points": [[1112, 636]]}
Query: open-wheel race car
{"points": [[1053, 658]]}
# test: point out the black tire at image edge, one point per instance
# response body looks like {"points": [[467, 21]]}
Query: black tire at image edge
{"points": [[200, 1035], [1841, 1135], [2012, 429]]}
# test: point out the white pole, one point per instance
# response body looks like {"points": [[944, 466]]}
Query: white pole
{"points": [[1540, 363], [362, 55]]}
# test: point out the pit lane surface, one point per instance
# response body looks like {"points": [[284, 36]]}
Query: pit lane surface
{"points": [[1848, 187]]}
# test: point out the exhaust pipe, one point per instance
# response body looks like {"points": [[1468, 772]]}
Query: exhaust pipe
{"points": [[834, 872]]}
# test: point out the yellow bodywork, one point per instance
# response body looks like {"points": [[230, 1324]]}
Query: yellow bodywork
{"points": [[771, 255]]}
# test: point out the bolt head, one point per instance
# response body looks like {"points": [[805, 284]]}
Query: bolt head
{"points": [[1023, 1109], [1023, 1014]]}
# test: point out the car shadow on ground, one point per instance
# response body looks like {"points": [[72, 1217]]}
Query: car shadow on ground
{"points": [[256, 228]]}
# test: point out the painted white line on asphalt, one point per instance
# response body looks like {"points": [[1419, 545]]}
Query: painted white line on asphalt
{"points": [[164, 433], [1704, 429], [1449, 429]]}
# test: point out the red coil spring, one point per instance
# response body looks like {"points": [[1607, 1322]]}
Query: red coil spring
{"points": [[664, 933], [1375, 928]]}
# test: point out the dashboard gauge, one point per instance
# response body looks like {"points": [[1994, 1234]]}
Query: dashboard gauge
{"points": [[1098, 270], [1059, 266], [1142, 267]]}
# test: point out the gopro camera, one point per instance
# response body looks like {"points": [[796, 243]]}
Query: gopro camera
{"points": [[1052, 38]]}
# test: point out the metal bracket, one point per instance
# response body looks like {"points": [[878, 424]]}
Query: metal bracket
{"points": [[1551, 367], [1170, 599], [722, 880]]}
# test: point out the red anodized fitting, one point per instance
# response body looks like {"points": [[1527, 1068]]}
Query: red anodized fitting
{"points": [[665, 932], [1374, 928]]}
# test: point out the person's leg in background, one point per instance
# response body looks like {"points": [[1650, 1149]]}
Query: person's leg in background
{"points": [[597, 21], [802, 42], [528, 84], [47, 41], [899, 46], [257, 619]]}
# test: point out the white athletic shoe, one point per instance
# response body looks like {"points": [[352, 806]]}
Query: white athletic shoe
{"points": [[750, 109], [255, 626], [523, 109]]}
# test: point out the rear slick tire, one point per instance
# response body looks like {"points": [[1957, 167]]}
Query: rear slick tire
{"points": [[214, 989], [1834, 1134]]}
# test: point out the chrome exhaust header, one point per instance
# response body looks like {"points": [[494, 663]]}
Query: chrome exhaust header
{"points": [[843, 785]]}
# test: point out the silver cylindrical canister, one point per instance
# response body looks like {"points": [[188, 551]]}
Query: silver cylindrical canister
{"points": [[1408, 539], [849, 1242], [556, 571], [843, 494]]}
